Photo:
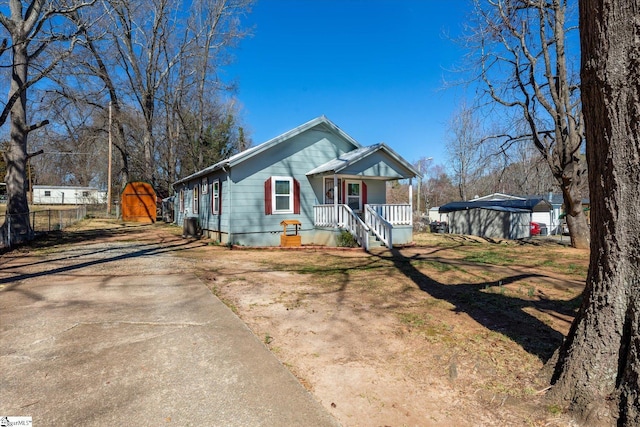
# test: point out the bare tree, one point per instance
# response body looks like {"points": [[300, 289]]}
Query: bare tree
{"points": [[34, 31], [598, 370], [158, 51], [397, 192], [143, 34], [519, 170], [422, 165], [73, 152], [160, 80], [440, 188], [521, 52], [213, 33], [466, 151], [204, 124]]}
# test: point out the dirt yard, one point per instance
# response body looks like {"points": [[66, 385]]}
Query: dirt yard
{"points": [[452, 331]]}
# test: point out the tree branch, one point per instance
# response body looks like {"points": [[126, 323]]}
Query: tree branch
{"points": [[37, 125]]}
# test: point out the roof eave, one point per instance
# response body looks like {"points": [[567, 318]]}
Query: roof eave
{"points": [[253, 151], [203, 172]]}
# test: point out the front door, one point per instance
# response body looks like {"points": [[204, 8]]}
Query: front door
{"points": [[328, 191], [354, 195]]}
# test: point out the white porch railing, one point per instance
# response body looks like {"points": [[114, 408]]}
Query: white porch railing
{"points": [[325, 216], [399, 214], [379, 226], [379, 219]]}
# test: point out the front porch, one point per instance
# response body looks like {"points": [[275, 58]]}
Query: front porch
{"points": [[374, 221], [352, 193]]}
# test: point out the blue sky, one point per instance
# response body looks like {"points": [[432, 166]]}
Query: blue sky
{"points": [[376, 68]]}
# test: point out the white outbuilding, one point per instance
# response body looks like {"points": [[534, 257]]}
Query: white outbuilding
{"points": [[67, 195]]}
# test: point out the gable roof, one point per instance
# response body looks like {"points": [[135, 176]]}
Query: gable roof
{"points": [[499, 196], [350, 158], [321, 121]]}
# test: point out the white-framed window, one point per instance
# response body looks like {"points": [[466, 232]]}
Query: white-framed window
{"points": [[354, 195], [181, 200], [205, 186], [196, 198], [215, 196], [282, 194], [47, 193]]}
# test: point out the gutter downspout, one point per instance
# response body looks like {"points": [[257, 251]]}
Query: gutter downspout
{"points": [[411, 200], [335, 200], [228, 172]]}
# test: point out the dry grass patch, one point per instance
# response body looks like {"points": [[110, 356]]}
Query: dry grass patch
{"points": [[453, 331], [460, 322]]}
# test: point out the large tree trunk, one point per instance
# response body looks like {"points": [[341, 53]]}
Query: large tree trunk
{"points": [[17, 228], [598, 369]]}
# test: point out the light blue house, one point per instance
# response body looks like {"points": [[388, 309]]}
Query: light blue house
{"points": [[242, 200]]}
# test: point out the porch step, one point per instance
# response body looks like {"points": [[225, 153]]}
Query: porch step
{"points": [[374, 241]]}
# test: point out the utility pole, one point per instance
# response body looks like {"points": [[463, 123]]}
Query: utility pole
{"points": [[109, 168]]}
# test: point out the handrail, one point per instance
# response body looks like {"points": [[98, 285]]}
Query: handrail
{"points": [[382, 228], [353, 224]]}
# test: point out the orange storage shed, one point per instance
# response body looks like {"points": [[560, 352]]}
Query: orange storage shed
{"points": [[138, 202]]}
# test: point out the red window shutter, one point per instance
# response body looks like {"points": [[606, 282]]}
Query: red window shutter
{"points": [[344, 191], [364, 194], [296, 196], [267, 197]]}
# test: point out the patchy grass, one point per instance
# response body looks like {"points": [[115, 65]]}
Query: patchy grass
{"points": [[462, 322], [438, 266], [490, 257], [411, 319]]}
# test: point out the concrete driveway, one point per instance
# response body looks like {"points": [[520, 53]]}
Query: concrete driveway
{"points": [[119, 332]]}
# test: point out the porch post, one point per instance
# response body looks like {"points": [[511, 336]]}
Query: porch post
{"points": [[411, 201], [335, 200]]}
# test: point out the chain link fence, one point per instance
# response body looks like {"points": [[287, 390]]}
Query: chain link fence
{"points": [[41, 221]]}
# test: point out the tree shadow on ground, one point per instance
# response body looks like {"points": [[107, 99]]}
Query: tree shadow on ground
{"points": [[86, 258], [43, 240], [496, 311]]}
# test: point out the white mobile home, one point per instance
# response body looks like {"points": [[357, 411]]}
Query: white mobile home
{"points": [[67, 195]]}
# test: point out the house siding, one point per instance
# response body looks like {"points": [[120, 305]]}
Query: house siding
{"points": [[376, 191], [212, 224], [243, 220], [294, 158], [402, 235], [376, 164], [315, 147]]}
